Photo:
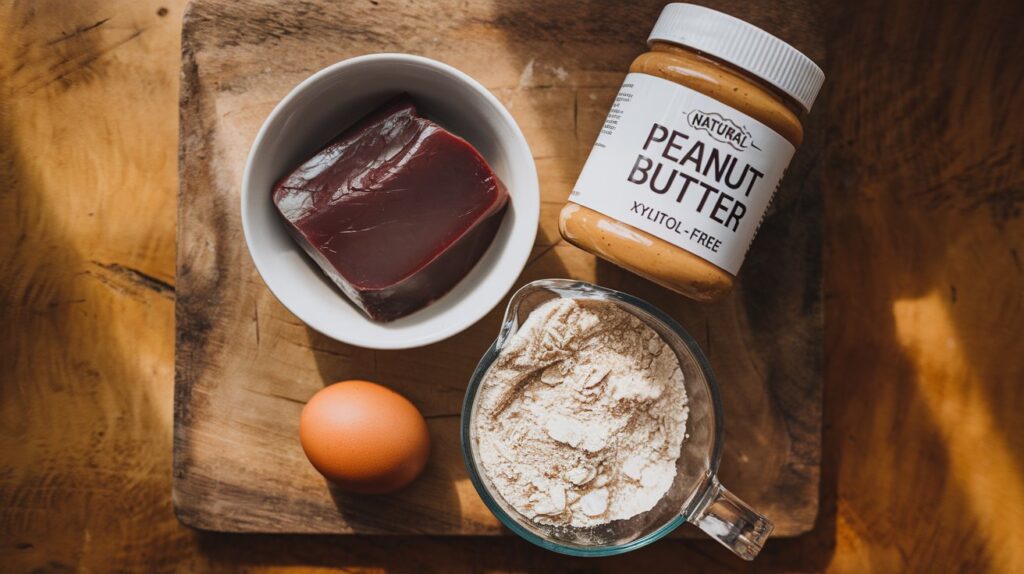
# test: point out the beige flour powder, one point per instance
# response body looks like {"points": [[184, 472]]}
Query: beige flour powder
{"points": [[582, 417]]}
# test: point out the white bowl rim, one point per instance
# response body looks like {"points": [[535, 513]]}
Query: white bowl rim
{"points": [[452, 328]]}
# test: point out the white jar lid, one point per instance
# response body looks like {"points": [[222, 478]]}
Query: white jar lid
{"points": [[743, 45]]}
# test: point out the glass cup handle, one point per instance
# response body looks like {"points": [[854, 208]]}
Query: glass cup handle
{"points": [[730, 521]]}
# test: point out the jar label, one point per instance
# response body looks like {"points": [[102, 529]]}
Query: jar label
{"points": [[685, 168]]}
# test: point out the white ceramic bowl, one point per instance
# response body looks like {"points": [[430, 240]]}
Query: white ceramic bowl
{"points": [[317, 110]]}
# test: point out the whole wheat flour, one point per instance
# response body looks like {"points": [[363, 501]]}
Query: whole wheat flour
{"points": [[583, 415]]}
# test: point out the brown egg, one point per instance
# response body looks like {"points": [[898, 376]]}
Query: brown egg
{"points": [[364, 437]]}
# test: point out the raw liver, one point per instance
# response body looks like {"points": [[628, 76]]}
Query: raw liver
{"points": [[396, 210]]}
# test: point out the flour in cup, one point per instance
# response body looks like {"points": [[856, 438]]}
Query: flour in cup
{"points": [[582, 417]]}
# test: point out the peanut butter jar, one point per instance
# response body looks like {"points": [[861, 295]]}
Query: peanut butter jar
{"points": [[694, 147]]}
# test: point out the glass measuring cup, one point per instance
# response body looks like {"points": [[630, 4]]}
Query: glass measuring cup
{"points": [[695, 496]]}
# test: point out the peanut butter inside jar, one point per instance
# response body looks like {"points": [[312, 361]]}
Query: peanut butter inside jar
{"points": [[692, 152]]}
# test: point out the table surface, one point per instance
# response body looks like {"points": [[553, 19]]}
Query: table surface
{"points": [[923, 464]]}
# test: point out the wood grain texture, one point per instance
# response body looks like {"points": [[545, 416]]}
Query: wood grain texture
{"points": [[245, 365], [923, 455]]}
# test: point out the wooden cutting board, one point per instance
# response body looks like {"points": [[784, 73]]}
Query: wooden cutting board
{"points": [[245, 365]]}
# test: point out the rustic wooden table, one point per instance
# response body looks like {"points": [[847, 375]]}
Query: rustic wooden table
{"points": [[923, 464]]}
